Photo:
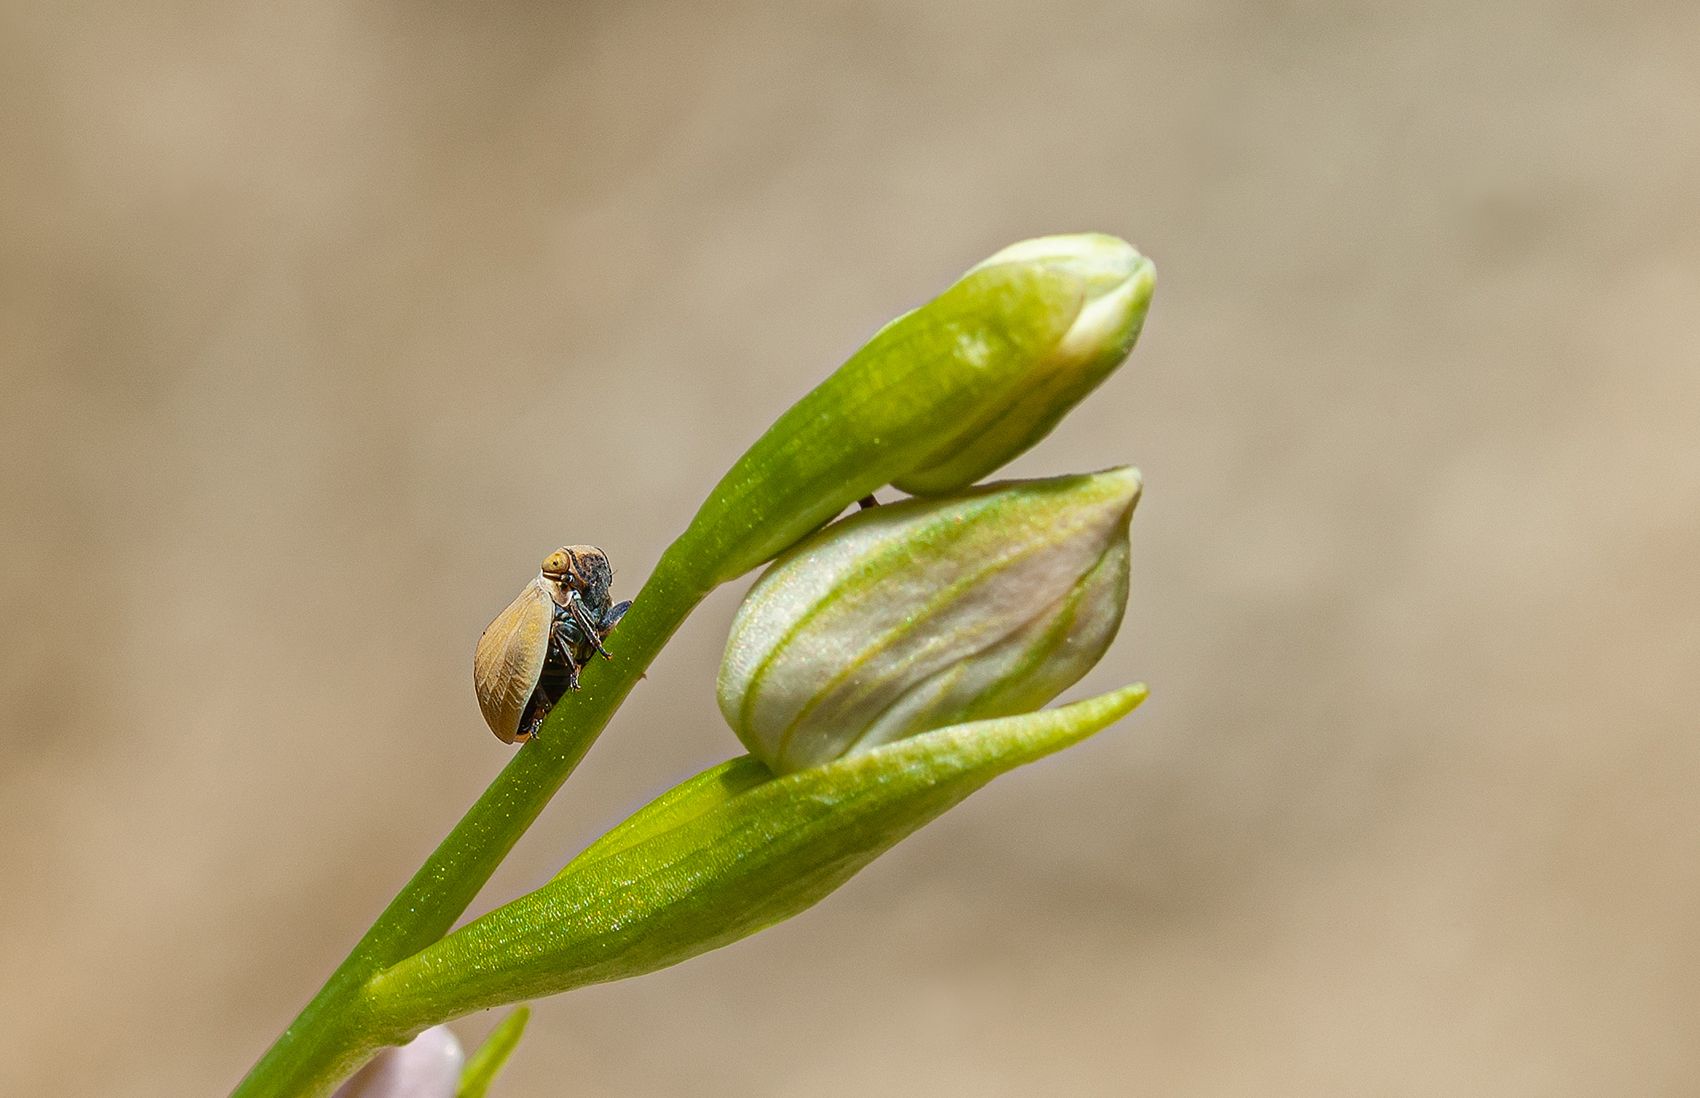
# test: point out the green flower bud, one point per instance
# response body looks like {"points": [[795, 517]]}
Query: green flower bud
{"points": [[938, 398], [914, 616], [1116, 284]]}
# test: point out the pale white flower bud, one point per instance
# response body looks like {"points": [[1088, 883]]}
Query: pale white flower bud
{"points": [[926, 613], [428, 1066]]}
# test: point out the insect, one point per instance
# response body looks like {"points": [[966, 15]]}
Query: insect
{"points": [[530, 656]]}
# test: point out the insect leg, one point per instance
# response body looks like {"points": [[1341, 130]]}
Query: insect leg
{"points": [[563, 639], [582, 617], [541, 703]]}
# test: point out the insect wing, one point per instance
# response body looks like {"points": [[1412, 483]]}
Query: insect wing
{"points": [[509, 659]]}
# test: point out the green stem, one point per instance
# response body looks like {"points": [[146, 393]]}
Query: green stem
{"points": [[927, 383], [334, 1034]]}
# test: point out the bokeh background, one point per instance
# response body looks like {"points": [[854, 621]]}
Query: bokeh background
{"points": [[321, 323]]}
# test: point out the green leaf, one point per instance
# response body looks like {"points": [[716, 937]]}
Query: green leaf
{"points": [[486, 1063], [714, 860], [679, 805]]}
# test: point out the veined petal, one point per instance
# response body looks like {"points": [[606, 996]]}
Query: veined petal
{"points": [[926, 613]]}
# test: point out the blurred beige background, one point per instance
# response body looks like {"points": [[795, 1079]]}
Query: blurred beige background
{"points": [[309, 313]]}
